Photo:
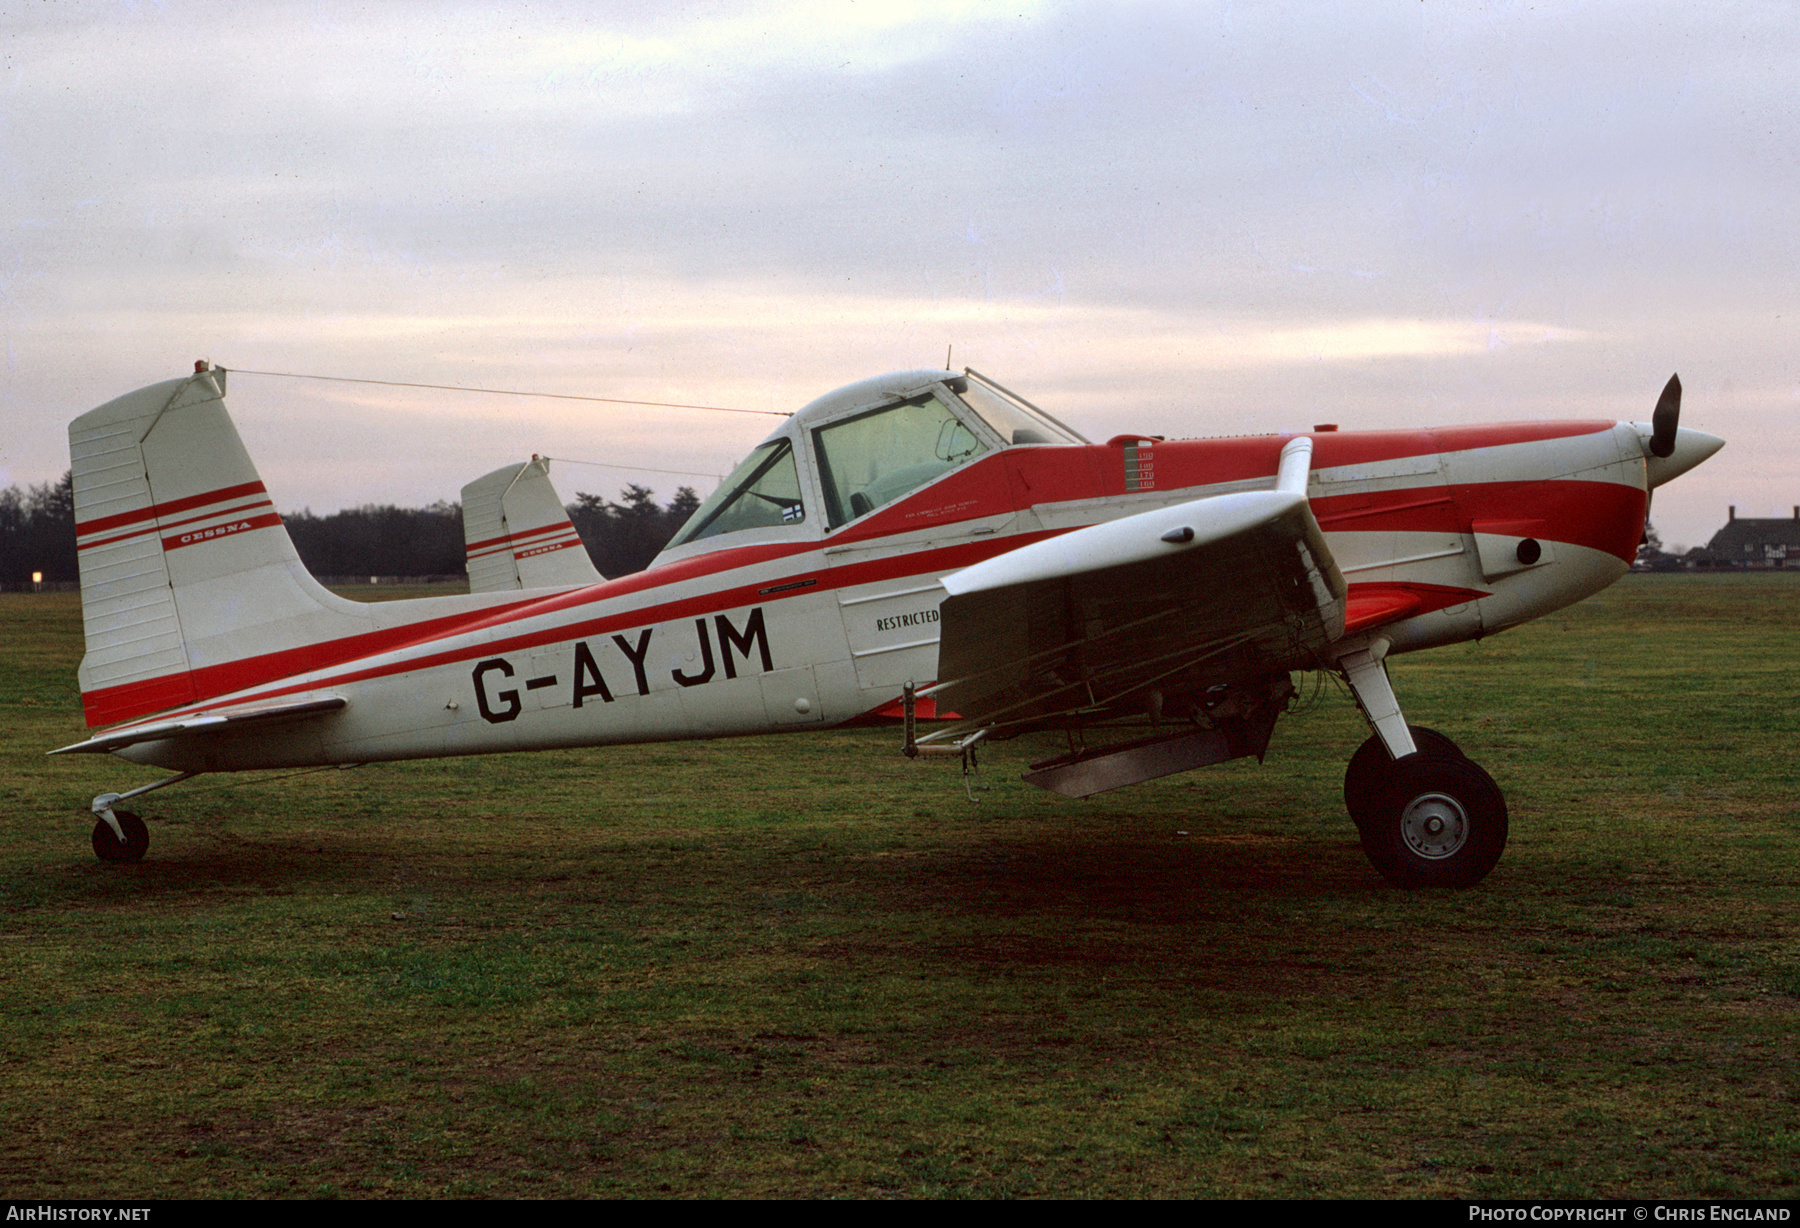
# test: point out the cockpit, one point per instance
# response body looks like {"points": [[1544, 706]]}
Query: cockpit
{"points": [[855, 450]]}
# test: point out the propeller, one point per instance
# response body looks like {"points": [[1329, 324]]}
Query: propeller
{"points": [[1666, 419]]}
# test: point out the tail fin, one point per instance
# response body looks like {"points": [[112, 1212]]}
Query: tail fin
{"points": [[517, 534], [186, 567]]}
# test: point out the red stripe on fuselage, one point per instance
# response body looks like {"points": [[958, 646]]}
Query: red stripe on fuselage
{"points": [[234, 676], [213, 681], [119, 703]]}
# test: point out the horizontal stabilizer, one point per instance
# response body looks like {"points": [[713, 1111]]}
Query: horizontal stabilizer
{"points": [[216, 720], [517, 534]]}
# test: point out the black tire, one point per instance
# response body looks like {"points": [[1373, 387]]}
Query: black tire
{"points": [[137, 838], [1440, 822], [1370, 765]]}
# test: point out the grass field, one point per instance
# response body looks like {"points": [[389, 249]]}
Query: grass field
{"points": [[805, 966]]}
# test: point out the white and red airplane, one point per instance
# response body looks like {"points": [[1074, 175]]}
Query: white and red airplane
{"points": [[921, 533]]}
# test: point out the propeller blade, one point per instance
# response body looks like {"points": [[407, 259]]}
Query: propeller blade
{"points": [[1667, 419]]}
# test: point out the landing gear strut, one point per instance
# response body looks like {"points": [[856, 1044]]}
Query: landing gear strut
{"points": [[120, 835], [1370, 764], [1427, 814]]}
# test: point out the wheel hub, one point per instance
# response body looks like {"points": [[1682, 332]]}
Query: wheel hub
{"points": [[1434, 825]]}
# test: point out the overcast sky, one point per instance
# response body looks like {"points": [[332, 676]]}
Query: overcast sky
{"points": [[1185, 219]]}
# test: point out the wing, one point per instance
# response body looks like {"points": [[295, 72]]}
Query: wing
{"points": [[517, 535], [1142, 615], [209, 721]]}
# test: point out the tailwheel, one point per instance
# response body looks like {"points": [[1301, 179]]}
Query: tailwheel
{"points": [[1370, 766], [107, 845], [1438, 821]]}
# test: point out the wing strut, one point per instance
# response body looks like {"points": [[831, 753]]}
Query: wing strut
{"points": [[966, 747], [103, 804]]}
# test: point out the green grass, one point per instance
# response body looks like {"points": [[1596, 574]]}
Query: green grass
{"points": [[806, 966]]}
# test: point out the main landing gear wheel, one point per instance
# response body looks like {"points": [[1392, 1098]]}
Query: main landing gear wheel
{"points": [[137, 838], [1370, 765], [1438, 821]]}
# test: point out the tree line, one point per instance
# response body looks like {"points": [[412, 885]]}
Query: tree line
{"points": [[37, 534]]}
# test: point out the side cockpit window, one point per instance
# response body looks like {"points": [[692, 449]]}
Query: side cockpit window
{"points": [[761, 493], [876, 457], [1016, 421]]}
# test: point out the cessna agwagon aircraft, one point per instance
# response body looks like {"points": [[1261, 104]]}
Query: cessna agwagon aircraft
{"points": [[919, 544]]}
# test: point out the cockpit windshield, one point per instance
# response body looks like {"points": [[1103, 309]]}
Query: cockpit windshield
{"points": [[763, 492]]}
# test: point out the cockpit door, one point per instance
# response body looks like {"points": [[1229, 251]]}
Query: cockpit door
{"points": [[885, 457]]}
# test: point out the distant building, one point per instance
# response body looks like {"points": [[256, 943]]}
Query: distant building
{"points": [[1757, 543]]}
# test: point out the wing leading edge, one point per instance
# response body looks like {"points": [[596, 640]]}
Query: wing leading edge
{"points": [[1142, 615]]}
